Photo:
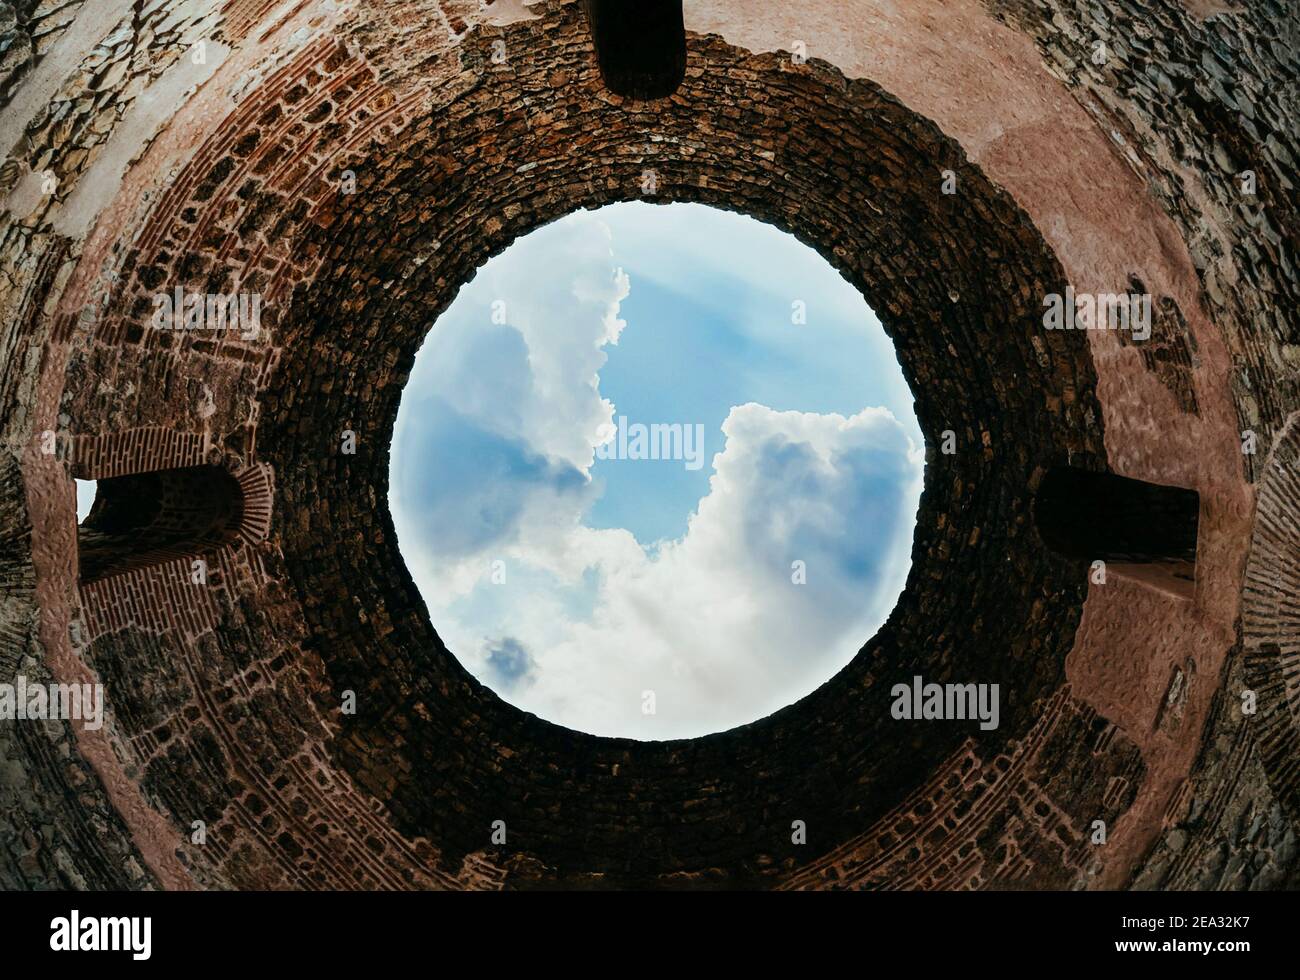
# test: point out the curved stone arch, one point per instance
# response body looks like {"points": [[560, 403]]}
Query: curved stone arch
{"points": [[160, 508], [846, 168]]}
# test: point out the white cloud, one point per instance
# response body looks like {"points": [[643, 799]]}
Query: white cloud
{"points": [[714, 623], [534, 377]]}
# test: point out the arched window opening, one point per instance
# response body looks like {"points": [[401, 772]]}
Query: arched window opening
{"points": [[1144, 531], [640, 47], [146, 518]]}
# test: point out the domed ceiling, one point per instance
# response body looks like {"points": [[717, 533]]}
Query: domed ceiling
{"points": [[1109, 530]]}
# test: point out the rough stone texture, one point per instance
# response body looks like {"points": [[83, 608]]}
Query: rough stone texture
{"points": [[57, 830], [1193, 102], [28, 29], [1121, 701]]}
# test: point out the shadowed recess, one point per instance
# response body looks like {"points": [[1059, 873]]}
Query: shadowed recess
{"points": [[640, 47]]}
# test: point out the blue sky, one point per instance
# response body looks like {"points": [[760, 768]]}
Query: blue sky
{"points": [[85, 498], [587, 590]]}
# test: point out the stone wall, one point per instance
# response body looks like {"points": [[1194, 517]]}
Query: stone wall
{"points": [[353, 166]]}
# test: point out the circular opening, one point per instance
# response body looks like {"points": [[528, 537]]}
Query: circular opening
{"points": [[656, 471], [957, 281]]}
